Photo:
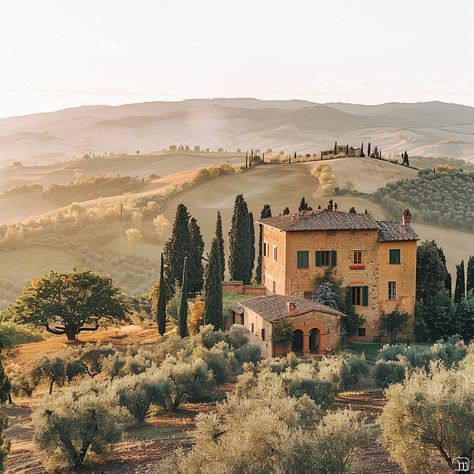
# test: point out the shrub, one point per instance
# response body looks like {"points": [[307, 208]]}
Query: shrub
{"points": [[4, 442], [343, 372], [79, 421], [215, 359], [388, 372], [190, 381], [12, 334], [248, 353], [237, 336]]}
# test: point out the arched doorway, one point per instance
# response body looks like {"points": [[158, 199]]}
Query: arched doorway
{"points": [[297, 342], [314, 341]]}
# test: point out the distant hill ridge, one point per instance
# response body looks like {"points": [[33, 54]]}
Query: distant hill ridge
{"points": [[425, 128]]}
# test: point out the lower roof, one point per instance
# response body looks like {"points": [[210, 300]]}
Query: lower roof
{"points": [[275, 307]]}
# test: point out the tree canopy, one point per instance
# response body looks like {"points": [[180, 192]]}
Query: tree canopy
{"points": [[72, 302]]}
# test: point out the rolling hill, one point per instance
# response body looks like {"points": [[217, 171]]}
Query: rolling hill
{"points": [[430, 129]]}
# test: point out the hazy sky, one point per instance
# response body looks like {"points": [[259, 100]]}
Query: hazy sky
{"points": [[62, 53]]}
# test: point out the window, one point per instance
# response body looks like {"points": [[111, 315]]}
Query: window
{"points": [[394, 256], [274, 286], [275, 253], [359, 295], [262, 334], [265, 249], [302, 259], [361, 332], [392, 290], [357, 257], [308, 295], [233, 318], [326, 258], [253, 328]]}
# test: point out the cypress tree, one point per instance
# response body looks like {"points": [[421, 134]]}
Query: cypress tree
{"points": [[286, 211], [5, 385], [266, 212], [335, 148], [252, 243], [220, 241], [470, 274], [195, 266], [295, 156], [239, 243], [368, 150], [213, 289], [183, 304], [448, 279], [161, 303], [246, 160], [362, 150], [303, 205], [460, 287], [176, 249]]}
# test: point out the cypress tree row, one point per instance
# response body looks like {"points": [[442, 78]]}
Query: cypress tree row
{"points": [[266, 212], [196, 251], [176, 249], [252, 243], [183, 304], [240, 266], [470, 274], [161, 303], [220, 241], [460, 287], [213, 289]]}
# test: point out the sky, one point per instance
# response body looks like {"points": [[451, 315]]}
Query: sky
{"points": [[62, 53]]}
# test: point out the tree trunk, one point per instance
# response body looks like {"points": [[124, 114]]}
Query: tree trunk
{"points": [[51, 386], [71, 333]]}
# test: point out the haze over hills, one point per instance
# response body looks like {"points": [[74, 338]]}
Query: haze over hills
{"points": [[429, 128]]}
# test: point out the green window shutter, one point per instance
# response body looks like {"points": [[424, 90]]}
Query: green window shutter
{"points": [[318, 259], [333, 258], [365, 296], [302, 259], [394, 256]]}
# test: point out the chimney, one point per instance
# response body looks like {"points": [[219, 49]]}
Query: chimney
{"points": [[291, 307], [406, 218]]}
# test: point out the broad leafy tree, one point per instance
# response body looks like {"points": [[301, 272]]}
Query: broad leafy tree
{"points": [[213, 289], [392, 323], [72, 302]]}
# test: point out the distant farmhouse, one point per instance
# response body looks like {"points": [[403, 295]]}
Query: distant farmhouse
{"points": [[343, 151], [374, 260]]}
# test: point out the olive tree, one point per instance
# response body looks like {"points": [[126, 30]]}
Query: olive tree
{"points": [[77, 422], [430, 413], [72, 302]]}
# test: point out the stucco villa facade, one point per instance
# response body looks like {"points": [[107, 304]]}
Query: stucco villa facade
{"points": [[374, 260], [315, 327]]}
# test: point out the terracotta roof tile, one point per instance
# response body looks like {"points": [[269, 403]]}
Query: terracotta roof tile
{"points": [[394, 231], [322, 219], [274, 307]]}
